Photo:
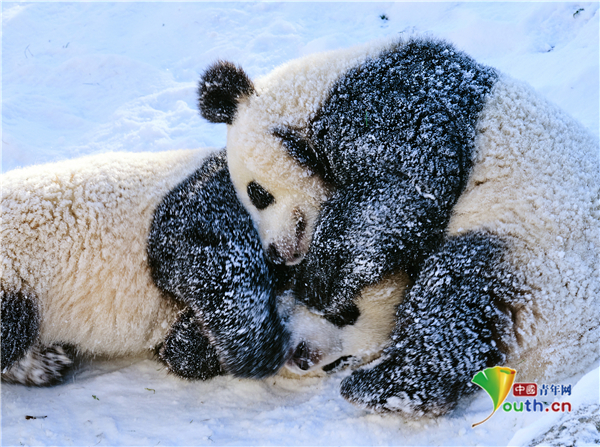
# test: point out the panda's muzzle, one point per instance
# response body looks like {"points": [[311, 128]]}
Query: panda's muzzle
{"points": [[290, 252]]}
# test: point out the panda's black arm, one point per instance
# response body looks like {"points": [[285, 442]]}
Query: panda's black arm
{"points": [[365, 232], [204, 250], [454, 322]]}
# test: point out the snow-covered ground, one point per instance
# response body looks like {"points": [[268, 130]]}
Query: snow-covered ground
{"points": [[81, 78]]}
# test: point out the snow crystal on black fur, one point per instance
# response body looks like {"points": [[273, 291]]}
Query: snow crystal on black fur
{"points": [[453, 323], [409, 111], [41, 366], [20, 325], [396, 136], [186, 350], [365, 232], [204, 250]]}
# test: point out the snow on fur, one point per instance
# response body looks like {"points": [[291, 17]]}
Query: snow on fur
{"points": [[204, 250]]}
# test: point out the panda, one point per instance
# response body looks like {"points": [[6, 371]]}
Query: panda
{"points": [[407, 161], [129, 253]]}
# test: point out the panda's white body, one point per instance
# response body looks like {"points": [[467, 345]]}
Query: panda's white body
{"points": [[533, 188], [536, 181], [74, 234]]}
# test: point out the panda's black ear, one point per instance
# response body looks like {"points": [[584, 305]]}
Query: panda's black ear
{"points": [[219, 90]]}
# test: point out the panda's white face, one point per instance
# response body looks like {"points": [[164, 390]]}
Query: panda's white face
{"points": [[283, 199], [319, 345]]}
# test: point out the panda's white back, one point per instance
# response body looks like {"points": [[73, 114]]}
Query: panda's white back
{"points": [[74, 234], [536, 183]]}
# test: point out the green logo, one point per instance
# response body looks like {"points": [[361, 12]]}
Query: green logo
{"points": [[497, 382]]}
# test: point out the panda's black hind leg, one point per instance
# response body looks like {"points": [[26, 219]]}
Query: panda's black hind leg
{"points": [[187, 352], [20, 325], [24, 360], [453, 323]]}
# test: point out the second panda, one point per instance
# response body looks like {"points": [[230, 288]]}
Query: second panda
{"points": [[409, 156]]}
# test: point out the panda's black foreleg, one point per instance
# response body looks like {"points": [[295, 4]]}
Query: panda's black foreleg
{"points": [[187, 352], [364, 233], [453, 323]]}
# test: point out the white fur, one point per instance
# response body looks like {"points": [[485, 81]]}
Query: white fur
{"points": [[74, 233], [536, 182], [291, 95]]}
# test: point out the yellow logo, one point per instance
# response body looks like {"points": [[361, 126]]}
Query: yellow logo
{"points": [[497, 382]]}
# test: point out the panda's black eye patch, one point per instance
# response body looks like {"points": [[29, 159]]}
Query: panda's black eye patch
{"points": [[302, 150], [259, 196]]}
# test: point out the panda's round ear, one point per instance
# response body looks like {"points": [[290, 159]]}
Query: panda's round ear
{"points": [[219, 90]]}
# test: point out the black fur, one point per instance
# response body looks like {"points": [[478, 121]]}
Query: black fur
{"points": [[186, 350], [20, 325], [219, 90], [365, 232], [204, 250], [409, 111], [453, 323], [42, 366]]}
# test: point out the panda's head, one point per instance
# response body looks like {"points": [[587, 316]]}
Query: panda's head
{"points": [[275, 174], [319, 346], [279, 174]]}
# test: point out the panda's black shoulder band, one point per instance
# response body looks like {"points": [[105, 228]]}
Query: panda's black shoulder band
{"points": [[219, 90], [304, 152]]}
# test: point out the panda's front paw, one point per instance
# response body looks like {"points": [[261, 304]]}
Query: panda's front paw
{"points": [[187, 352], [387, 387]]}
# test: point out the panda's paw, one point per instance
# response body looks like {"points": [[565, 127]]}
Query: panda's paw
{"points": [[388, 388], [187, 352], [41, 366]]}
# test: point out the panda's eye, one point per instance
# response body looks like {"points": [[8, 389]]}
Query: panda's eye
{"points": [[260, 197]]}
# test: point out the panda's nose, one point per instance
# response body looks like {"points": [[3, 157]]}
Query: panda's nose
{"points": [[274, 255], [301, 357], [278, 258]]}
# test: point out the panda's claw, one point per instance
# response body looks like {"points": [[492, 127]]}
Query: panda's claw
{"points": [[41, 366]]}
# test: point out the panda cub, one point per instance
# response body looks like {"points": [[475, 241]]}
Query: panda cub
{"points": [[121, 254], [410, 158]]}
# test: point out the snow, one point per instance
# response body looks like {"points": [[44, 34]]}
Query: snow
{"points": [[83, 78]]}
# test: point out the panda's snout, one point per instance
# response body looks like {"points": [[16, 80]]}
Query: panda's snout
{"points": [[274, 255], [290, 249]]}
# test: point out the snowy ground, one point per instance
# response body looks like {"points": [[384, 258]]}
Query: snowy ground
{"points": [[81, 78]]}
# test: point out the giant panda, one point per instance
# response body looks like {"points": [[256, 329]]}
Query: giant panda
{"points": [[409, 158], [129, 253]]}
